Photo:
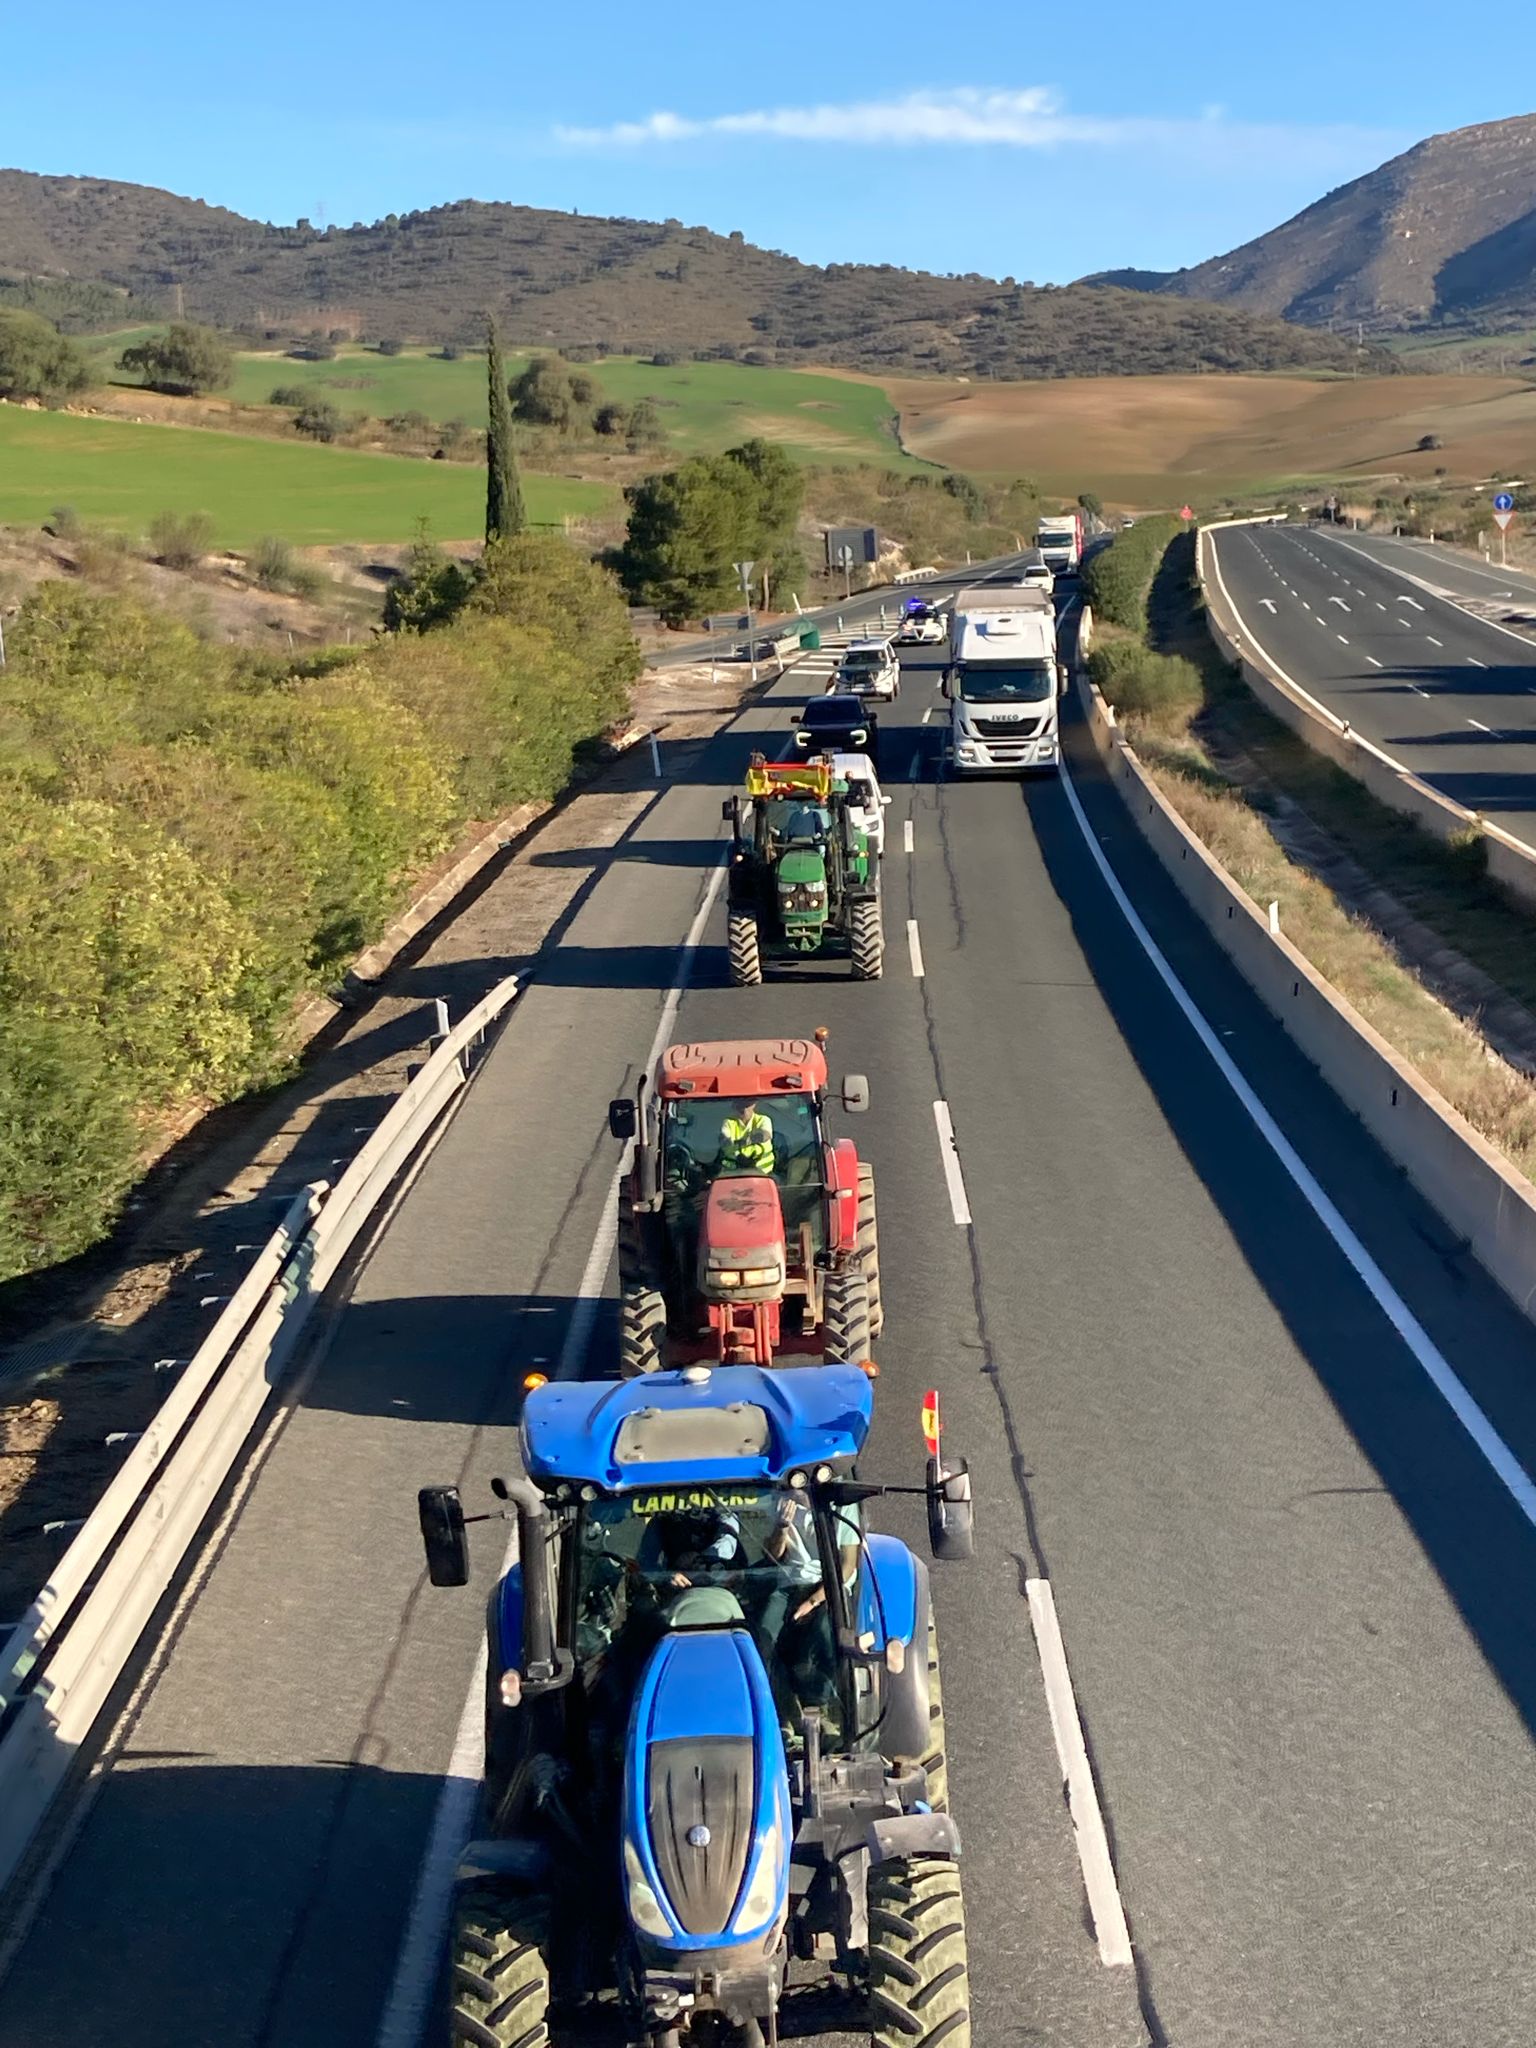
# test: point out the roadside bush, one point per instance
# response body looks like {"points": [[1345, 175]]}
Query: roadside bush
{"points": [[391, 347], [180, 539], [1116, 580], [64, 522], [289, 394], [193, 837], [1134, 680]]}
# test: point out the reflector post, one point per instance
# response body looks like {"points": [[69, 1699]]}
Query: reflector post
{"points": [[932, 1428]]}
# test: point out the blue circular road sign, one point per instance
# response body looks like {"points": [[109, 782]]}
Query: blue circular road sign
{"points": [[1503, 502]]}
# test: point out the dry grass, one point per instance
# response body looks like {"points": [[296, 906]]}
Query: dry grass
{"points": [[1498, 1101], [1151, 441]]}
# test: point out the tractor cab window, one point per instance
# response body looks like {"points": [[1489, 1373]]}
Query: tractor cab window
{"points": [[707, 1136], [801, 825], [712, 1557]]}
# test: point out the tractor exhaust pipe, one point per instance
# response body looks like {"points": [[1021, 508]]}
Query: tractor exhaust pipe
{"points": [[645, 1156], [541, 1663]]}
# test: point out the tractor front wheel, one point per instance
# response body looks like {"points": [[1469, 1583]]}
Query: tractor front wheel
{"points": [[869, 1247], [500, 1972], [866, 936], [746, 950], [845, 1333], [919, 1978], [642, 1331]]}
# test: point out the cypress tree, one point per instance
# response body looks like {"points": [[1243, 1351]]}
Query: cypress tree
{"points": [[504, 514]]}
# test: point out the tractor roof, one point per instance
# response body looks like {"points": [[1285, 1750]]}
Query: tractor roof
{"points": [[697, 1426], [742, 1066]]}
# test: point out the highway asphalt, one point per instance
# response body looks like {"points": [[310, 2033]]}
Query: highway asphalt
{"points": [[1359, 624], [1294, 1596]]}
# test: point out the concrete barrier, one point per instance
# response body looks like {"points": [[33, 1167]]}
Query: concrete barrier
{"points": [[1510, 864], [1475, 1191]]}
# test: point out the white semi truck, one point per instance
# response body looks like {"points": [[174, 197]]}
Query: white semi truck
{"points": [[1003, 682], [1060, 539]]}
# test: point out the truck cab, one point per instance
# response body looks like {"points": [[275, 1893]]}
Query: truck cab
{"points": [[1003, 683], [1060, 540]]}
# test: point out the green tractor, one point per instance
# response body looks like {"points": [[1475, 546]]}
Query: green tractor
{"points": [[804, 876]]}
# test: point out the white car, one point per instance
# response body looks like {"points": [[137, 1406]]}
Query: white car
{"points": [[1036, 573], [921, 628], [868, 668], [866, 803]]}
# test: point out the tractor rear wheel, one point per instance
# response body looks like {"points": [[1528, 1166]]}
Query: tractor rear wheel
{"points": [[500, 1974], [746, 950], [919, 1979], [869, 1247], [845, 1335], [642, 1331], [866, 936]]}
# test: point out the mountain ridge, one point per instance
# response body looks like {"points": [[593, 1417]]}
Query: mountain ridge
{"points": [[1440, 236], [605, 285]]}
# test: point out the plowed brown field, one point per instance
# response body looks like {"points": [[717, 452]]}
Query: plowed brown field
{"points": [[1150, 441]]}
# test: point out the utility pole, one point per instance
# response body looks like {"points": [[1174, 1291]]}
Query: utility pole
{"points": [[744, 571]]}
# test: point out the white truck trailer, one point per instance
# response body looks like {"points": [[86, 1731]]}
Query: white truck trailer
{"points": [[1060, 539], [1003, 682]]}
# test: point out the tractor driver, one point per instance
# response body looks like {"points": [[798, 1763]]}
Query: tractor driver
{"points": [[746, 1142]]}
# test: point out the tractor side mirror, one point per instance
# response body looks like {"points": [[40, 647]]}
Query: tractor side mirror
{"points": [[855, 1093], [623, 1118], [951, 1510], [443, 1537]]}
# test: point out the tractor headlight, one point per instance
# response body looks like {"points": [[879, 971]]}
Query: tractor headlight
{"points": [[766, 1888], [644, 1906], [761, 1276]]}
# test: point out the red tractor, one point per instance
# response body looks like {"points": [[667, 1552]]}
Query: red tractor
{"points": [[745, 1232]]}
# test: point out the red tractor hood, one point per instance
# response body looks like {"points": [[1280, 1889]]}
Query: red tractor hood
{"points": [[743, 1221]]}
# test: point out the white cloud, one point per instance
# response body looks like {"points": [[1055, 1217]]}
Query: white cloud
{"points": [[1031, 117]]}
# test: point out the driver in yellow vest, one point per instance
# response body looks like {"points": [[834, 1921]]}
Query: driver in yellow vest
{"points": [[746, 1142]]}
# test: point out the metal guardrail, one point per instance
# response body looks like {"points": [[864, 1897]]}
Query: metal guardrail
{"points": [[68, 1651]]}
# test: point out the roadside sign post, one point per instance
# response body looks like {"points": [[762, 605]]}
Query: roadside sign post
{"points": [[1503, 513], [744, 571], [845, 557]]}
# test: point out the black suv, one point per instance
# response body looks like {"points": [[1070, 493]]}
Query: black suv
{"points": [[838, 724]]}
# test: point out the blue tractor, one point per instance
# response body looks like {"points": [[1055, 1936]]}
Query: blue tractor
{"points": [[715, 1781]]}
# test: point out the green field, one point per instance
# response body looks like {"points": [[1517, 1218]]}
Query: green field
{"points": [[704, 406], [118, 474]]}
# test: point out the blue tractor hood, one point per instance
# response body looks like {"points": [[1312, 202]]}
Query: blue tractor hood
{"points": [[706, 1823], [700, 1423]]}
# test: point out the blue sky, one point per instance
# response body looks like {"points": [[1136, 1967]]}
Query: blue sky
{"points": [[1014, 141]]}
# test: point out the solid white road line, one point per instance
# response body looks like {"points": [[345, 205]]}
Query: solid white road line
{"points": [[1506, 1467], [949, 1158], [906, 836], [1104, 1903], [914, 948], [404, 2019]]}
